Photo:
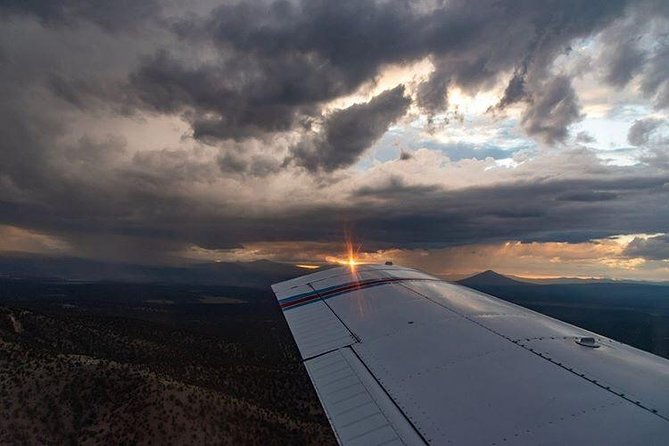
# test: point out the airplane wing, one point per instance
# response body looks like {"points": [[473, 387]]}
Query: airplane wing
{"points": [[400, 357]]}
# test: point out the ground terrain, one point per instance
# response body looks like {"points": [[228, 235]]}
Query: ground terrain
{"points": [[109, 362], [106, 363]]}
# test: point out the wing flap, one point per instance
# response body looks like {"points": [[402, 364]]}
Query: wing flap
{"points": [[317, 330], [358, 408]]}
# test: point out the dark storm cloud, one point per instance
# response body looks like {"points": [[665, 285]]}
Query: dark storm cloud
{"points": [[623, 56], [588, 196], [550, 211], [552, 111], [235, 99], [251, 70], [655, 72], [641, 130], [550, 36], [347, 133], [637, 47], [623, 61], [515, 90], [404, 155], [391, 214], [652, 248], [92, 93], [394, 214], [274, 63], [393, 188], [432, 94], [112, 15], [655, 81], [279, 61], [232, 163]]}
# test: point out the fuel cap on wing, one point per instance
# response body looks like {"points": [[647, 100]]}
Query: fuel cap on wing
{"points": [[587, 342]]}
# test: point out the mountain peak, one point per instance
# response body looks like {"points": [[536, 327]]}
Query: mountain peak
{"points": [[489, 272], [489, 278]]}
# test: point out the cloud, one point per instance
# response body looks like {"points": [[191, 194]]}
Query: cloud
{"points": [[235, 99], [585, 138], [624, 62], [641, 130], [404, 155], [272, 65], [655, 76], [622, 57], [635, 47], [347, 133], [112, 16], [433, 93], [652, 248], [588, 196], [393, 188], [155, 204], [149, 128], [256, 165], [20, 240], [551, 111]]}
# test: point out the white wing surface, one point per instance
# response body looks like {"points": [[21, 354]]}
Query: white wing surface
{"points": [[400, 357]]}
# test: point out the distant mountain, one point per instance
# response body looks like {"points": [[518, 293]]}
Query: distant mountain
{"points": [[489, 278], [635, 313], [581, 280], [257, 274]]}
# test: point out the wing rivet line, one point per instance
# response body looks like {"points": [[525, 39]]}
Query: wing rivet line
{"points": [[546, 357]]}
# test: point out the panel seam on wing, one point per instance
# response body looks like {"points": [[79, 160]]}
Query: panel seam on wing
{"points": [[390, 398], [519, 343], [579, 413], [355, 337]]}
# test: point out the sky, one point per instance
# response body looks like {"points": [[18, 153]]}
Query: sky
{"points": [[526, 136]]}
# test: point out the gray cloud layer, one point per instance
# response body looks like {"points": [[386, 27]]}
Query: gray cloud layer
{"points": [[552, 111], [654, 248], [276, 62], [113, 16], [347, 133], [640, 132], [261, 70]]}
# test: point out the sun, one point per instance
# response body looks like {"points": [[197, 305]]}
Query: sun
{"points": [[351, 252], [350, 257]]}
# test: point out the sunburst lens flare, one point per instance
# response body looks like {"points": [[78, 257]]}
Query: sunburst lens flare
{"points": [[350, 257], [351, 252]]}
